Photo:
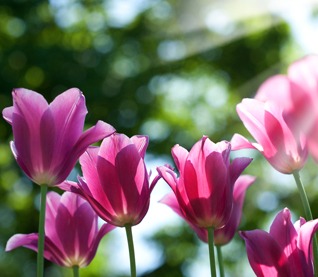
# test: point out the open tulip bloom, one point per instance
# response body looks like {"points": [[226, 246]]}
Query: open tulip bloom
{"points": [[204, 188], [285, 251], [48, 139], [116, 182], [72, 233]]}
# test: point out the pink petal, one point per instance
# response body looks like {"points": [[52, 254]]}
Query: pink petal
{"points": [[94, 134], [238, 142], [7, 114], [171, 201], [29, 241], [264, 254], [141, 143], [237, 166], [252, 113], [305, 236], [283, 231], [179, 155], [226, 233], [169, 176], [68, 111], [105, 229]]}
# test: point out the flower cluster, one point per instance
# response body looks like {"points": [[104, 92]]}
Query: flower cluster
{"points": [[208, 189]]}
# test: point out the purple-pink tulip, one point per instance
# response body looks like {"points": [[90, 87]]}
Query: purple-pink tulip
{"points": [[115, 179], [285, 251], [283, 117], [49, 138], [71, 231], [204, 188], [225, 234]]}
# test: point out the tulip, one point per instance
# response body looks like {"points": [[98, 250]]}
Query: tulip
{"points": [[115, 180], [283, 117], [116, 183], [276, 139], [204, 188], [49, 138], [285, 250], [72, 233]]}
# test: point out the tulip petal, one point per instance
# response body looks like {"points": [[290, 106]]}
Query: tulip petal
{"points": [[305, 236], [179, 155], [284, 233], [7, 114], [238, 142], [105, 229], [225, 234], [171, 201], [141, 143], [29, 241], [93, 134], [237, 166], [264, 254], [169, 176], [252, 113]]}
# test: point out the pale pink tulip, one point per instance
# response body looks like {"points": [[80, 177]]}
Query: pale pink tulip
{"points": [[71, 231], [115, 180], [204, 188], [285, 251], [49, 138], [283, 117]]}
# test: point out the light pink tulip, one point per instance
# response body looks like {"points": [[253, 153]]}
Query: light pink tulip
{"points": [[225, 234], [285, 251], [49, 138], [115, 180], [71, 231], [204, 188], [283, 117]]}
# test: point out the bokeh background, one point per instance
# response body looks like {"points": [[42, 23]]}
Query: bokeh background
{"points": [[170, 69]]}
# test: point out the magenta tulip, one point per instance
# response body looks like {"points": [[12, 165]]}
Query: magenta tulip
{"points": [[283, 117], [72, 234], [285, 251], [115, 180], [225, 234], [49, 138], [204, 189]]}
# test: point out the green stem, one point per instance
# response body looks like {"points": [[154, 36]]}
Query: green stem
{"points": [[75, 271], [220, 260], [131, 251], [40, 260], [305, 202], [211, 251]]}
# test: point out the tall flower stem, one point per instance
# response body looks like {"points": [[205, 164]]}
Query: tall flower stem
{"points": [[305, 202], [75, 271], [220, 260], [211, 251], [40, 260], [131, 251]]}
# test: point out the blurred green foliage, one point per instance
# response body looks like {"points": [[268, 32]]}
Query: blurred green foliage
{"points": [[142, 73]]}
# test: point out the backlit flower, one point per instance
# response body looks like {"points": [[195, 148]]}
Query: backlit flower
{"points": [[285, 251], [204, 188], [49, 138], [71, 231], [115, 179]]}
